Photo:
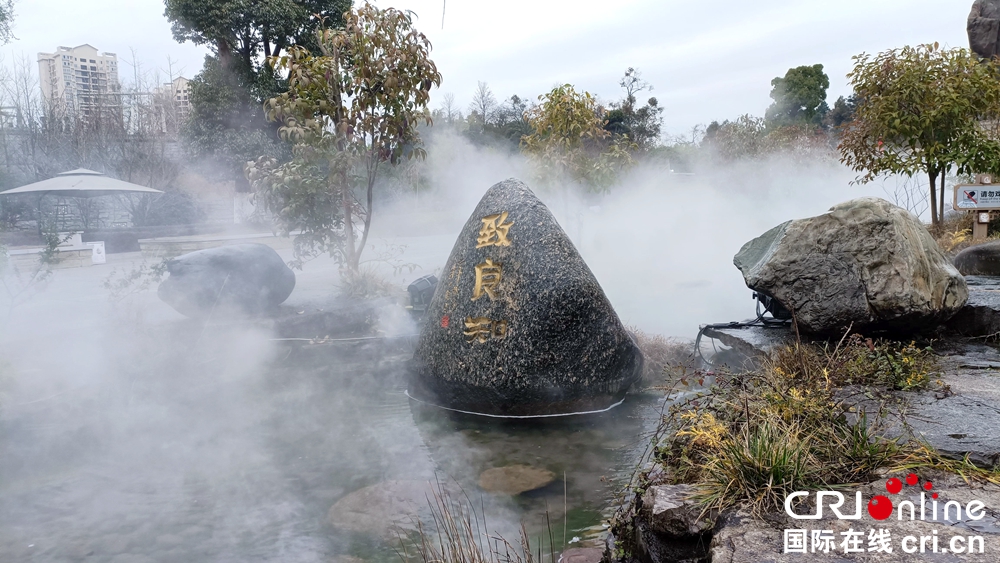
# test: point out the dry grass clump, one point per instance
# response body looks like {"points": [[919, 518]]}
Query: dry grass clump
{"points": [[457, 533], [663, 356], [954, 233], [789, 425]]}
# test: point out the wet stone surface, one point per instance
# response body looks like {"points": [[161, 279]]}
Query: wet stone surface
{"points": [[963, 417], [519, 325], [744, 539], [248, 278]]}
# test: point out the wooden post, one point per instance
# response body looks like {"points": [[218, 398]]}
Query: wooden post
{"points": [[980, 226]]}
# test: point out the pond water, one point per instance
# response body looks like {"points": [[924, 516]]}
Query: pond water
{"points": [[218, 444]]}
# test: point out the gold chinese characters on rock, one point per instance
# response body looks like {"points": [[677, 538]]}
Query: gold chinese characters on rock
{"points": [[487, 278], [481, 329], [494, 232]]}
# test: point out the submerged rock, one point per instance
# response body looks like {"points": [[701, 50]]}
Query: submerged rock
{"points": [[518, 325], [514, 479], [865, 262], [241, 278], [381, 509], [582, 555], [980, 260]]}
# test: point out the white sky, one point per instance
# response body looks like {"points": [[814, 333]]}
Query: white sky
{"points": [[705, 60]]}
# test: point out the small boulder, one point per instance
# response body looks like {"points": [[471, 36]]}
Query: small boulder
{"points": [[241, 278], [670, 510], [980, 260], [518, 325], [865, 262], [582, 555], [514, 479], [381, 509]]}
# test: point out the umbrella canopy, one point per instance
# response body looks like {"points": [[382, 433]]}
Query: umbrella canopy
{"points": [[80, 183]]}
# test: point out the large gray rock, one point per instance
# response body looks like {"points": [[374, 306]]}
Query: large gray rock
{"points": [[241, 278], [984, 28], [865, 262], [671, 511], [518, 325], [980, 260]]}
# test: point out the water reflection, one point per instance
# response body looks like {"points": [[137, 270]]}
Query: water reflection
{"points": [[224, 446]]}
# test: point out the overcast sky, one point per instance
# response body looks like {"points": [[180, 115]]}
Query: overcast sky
{"points": [[705, 60]]}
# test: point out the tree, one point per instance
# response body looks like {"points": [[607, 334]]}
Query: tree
{"points": [[239, 32], [842, 112], [348, 111], [448, 108], [568, 139], [799, 97], [483, 105], [923, 110], [227, 126], [511, 121], [6, 20], [640, 124], [227, 123]]}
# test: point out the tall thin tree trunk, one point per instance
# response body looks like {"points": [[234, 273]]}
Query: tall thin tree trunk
{"points": [[351, 258], [932, 175], [941, 208]]}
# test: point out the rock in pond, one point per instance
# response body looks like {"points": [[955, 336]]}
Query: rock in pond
{"points": [[865, 262], [980, 260], [514, 479], [518, 325], [245, 278], [381, 509]]}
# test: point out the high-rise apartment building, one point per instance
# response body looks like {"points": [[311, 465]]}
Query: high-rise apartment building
{"points": [[171, 104], [79, 79], [176, 93]]}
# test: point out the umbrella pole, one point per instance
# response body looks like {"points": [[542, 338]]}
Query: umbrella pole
{"points": [[39, 215]]}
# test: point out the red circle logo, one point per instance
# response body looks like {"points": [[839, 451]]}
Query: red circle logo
{"points": [[894, 486], [880, 507]]}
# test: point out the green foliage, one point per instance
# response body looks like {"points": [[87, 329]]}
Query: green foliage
{"points": [[348, 111], [882, 362], [799, 97], [568, 140], [227, 123], [842, 112], [923, 110], [247, 30]]}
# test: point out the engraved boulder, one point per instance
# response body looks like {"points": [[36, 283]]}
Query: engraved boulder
{"points": [[518, 325]]}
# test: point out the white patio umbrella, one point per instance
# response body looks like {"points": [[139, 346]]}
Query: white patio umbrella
{"points": [[80, 183]]}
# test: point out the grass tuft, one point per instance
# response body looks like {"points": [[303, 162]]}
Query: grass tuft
{"points": [[808, 417]]}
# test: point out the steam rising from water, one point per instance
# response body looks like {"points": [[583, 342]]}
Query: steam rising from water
{"points": [[660, 244], [128, 431]]}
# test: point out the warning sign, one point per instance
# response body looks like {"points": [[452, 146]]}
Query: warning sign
{"points": [[974, 197]]}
